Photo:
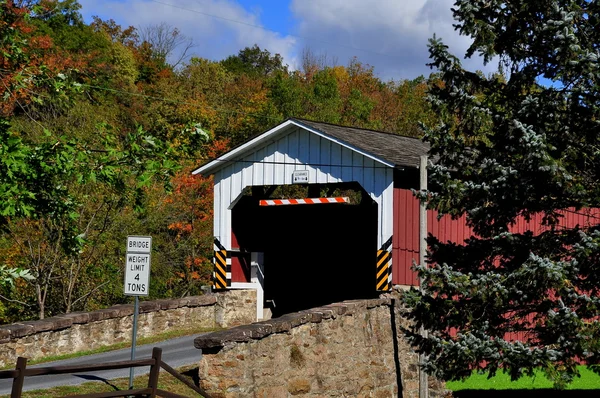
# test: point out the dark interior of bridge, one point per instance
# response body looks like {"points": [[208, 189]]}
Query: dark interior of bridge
{"points": [[314, 254]]}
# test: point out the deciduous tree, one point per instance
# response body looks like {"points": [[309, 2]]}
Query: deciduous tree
{"points": [[254, 62], [41, 177]]}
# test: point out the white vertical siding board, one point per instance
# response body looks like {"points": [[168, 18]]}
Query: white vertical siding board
{"points": [[379, 185], [358, 162], [386, 211], [226, 198], [259, 167], [379, 179], [336, 162], [269, 160], [221, 204], [292, 141], [368, 176], [388, 227], [347, 164], [291, 156], [217, 206], [248, 172], [289, 168], [325, 158], [380, 210], [236, 181], [304, 146], [314, 158], [279, 168]]}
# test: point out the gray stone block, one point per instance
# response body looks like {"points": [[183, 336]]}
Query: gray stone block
{"points": [[77, 317], [223, 338], [337, 308], [43, 325], [4, 335], [260, 330], [18, 330], [207, 299], [316, 317], [59, 323], [280, 325], [372, 303], [149, 306], [123, 309], [101, 315], [167, 304]]}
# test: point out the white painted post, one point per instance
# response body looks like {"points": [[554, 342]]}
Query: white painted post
{"points": [[258, 277]]}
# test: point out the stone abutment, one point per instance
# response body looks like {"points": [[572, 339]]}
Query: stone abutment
{"points": [[349, 349]]}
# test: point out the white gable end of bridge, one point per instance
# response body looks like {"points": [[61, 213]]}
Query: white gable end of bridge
{"points": [[271, 161]]}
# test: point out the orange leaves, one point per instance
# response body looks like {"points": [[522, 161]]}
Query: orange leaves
{"points": [[218, 147], [30, 61], [196, 270], [193, 266], [190, 208], [181, 228]]}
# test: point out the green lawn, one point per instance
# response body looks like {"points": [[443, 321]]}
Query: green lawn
{"points": [[588, 381]]}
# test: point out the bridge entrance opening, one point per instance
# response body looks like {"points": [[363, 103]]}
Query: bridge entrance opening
{"points": [[313, 254]]}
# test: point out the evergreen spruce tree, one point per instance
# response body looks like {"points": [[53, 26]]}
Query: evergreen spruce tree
{"points": [[522, 142]]}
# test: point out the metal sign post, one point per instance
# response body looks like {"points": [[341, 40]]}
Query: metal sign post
{"points": [[137, 281]]}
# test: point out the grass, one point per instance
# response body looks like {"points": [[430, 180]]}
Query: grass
{"points": [[165, 382], [588, 381]]}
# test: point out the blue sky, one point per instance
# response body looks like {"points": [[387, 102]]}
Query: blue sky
{"points": [[390, 35]]}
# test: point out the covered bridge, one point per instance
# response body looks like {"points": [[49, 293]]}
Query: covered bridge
{"points": [[310, 213]]}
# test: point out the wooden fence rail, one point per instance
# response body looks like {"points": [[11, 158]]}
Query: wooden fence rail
{"points": [[21, 371]]}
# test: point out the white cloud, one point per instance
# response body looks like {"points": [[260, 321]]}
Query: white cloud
{"points": [[219, 28], [390, 35]]}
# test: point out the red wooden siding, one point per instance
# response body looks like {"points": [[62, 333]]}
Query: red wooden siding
{"points": [[405, 242], [405, 247], [240, 266]]}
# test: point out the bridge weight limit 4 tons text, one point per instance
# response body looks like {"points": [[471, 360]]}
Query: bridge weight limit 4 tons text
{"points": [[137, 265]]}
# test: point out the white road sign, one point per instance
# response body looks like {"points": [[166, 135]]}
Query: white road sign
{"points": [[137, 265]]}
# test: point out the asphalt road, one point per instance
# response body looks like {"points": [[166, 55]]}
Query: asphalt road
{"points": [[176, 352]]}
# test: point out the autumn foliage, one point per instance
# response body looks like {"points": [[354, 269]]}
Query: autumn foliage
{"points": [[77, 94]]}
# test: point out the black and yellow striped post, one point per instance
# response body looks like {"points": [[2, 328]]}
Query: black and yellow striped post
{"points": [[222, 271], [383, 281]]}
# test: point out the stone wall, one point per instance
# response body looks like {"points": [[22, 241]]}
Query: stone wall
{"points": [[348, 349], [83, 331]]}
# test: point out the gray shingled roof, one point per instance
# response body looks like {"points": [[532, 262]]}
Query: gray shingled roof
{"points": [[397, 150], [393, 148]]}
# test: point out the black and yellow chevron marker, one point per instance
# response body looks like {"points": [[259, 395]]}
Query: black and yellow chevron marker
{"points": [[383, 281], [222, 271]]}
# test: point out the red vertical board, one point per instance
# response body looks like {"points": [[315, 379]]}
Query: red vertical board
{"points": [[239, 269]]}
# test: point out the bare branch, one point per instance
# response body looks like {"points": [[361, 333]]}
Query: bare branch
{"points": [[167, 42], [14, 301]]}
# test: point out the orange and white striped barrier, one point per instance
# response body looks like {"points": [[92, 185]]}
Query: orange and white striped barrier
{"points": [[307, 201]]}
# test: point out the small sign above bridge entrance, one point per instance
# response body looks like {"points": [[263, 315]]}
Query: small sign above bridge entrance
{"points": [[300, 176], [137, 265]]}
